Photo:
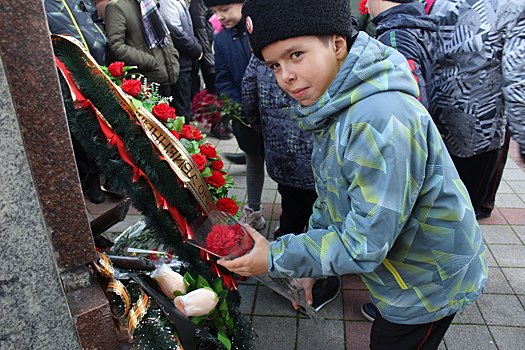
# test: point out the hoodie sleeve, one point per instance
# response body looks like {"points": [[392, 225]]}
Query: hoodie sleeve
{"points": [[406, 44]]}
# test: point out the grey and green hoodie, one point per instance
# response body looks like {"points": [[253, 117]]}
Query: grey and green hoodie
{"points": [[391, 206]]}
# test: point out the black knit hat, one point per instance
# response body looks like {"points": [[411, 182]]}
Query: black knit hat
{"points": [[211, 3], [269, 21]]}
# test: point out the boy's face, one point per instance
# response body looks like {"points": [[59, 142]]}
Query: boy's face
{"points": [[373, 7], [305, 66], [229, 15]]}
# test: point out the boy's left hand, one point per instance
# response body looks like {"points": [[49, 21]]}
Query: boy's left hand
{"points": [[253, 263]]}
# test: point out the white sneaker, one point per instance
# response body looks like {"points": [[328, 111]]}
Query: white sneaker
{"points": [[253, 218]]}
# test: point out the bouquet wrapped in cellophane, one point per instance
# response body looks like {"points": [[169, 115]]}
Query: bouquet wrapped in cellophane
{"points": [[221, 235]]}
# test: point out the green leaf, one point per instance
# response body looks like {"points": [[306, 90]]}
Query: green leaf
{"points": [[225, 340], [197, 319], [206, 172], [222, 294], [201, 281], [188, 145], [177, 293], [190, 280], [217, 286], [177, 124], [136, 103]]}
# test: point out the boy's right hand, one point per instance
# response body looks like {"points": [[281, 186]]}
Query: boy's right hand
{"points": [[253, 263]]}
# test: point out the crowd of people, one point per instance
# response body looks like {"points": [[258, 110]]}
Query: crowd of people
{"points": [[385, 123]]}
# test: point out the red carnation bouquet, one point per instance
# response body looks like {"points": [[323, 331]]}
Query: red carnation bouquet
{"points": [[221, 235], [211, 109]]}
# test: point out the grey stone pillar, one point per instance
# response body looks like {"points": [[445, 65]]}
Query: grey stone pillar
{"points": [[47, 298]]}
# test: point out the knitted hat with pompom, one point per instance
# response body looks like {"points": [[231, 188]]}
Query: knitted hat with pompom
{"points": [[269, 21]]}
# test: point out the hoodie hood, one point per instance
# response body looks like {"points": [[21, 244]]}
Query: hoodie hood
{"points": [[405, 17], [369, 68]]}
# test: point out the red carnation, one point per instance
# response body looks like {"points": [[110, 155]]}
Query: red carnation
{"points": [[200, 161], [190, 133], [208, 150], [163, 111], [132, 87], [228, 205], [217, 164], [362, 7], [222, 240], [153, 256], [216, 179], [214, 117], [115, 69]]}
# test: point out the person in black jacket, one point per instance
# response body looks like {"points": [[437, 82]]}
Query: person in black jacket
{"points": [[79, 19], [403, 25], [203, 31], [176, 15]]}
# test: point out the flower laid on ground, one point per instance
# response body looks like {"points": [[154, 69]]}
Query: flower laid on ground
{"points": [[227, 205], [171, 283], [143, 94], [203, 153], [200, 302], [210, 109], [163, 112]]}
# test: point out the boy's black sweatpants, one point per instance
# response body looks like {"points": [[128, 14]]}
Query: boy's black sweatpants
{"points": [[386, 335], [482, 175]]}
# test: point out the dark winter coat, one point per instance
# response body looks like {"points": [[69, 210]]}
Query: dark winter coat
{"points": [[85, 25], [177, 18], [232, 54], [128, 44], [203, 30], [479, 78], [287, 148], [409, 30]]}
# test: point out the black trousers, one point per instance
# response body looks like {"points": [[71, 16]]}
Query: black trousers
{"points": [[482, 174], [386, 335], [208, 74], [296, 206], [181, 93]]}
